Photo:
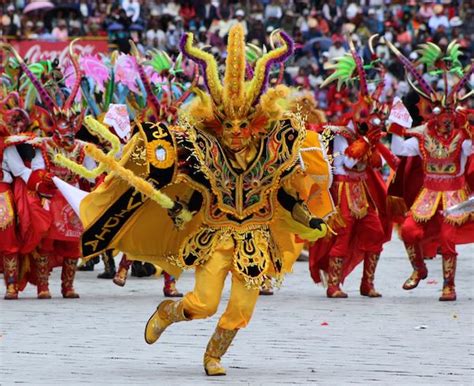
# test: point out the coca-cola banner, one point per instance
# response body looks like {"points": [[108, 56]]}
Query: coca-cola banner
{"points": [[35, 50]]}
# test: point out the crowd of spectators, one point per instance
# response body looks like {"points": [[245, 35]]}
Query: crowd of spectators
{"points": [[318, 27]]}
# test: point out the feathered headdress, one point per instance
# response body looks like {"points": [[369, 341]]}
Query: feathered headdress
{"points": [[349, 69], [171, 93], [242, 94], [52, 111], [433, 103]]}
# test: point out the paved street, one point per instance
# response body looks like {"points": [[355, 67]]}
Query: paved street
{"points": [[296, 337]]}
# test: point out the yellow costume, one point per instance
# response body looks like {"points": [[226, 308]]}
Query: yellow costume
{"points": [[235, 162]]}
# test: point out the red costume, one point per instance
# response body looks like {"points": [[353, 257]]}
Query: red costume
{"points": [[9, 238], [23, 222], [358, 191], [61, 246], [444, 145]]}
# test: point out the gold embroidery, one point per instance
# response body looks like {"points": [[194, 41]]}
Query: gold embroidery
{"points": [[160, 154], [451, 198], [244, 194], [254, 253], [7, 215], [357, 199], [425, 205], [138, 155], [439, 150]]}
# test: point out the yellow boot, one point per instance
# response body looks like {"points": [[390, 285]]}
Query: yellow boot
{"points": [[216, 348], [167, 312]]}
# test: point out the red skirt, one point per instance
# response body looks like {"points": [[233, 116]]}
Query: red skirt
{"points": [[34, 220], [66, 225]]}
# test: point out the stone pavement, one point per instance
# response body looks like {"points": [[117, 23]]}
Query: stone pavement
{"points": [[296, 337]]}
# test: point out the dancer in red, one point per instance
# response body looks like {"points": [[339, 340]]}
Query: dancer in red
{"points": [[10, 244], [61, 121], [23, 222], [444, 144], [358, 188]]}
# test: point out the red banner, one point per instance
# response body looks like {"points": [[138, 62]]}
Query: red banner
{"points": [[36, 50]]}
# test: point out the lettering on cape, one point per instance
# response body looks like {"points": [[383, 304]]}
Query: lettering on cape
{"points": [[100, 234]]}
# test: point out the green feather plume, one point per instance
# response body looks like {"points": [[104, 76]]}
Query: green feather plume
{"points": [[343, 68], [453, 52], [160, 61], [430, 53]]}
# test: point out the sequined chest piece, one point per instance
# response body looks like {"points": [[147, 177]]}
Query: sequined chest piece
{"points": [[240, 196], [442, 158]]}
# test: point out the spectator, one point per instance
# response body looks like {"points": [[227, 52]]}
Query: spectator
{"points": [[41, 32], [406, 24], [60, 31], [11, 22], [28, 32], [332, 11], [208, 13], [171, 8], [273, 13], [323, 25], [187, 12], [426, 11], [336, 50], [438, 19], [240, 18], [155, 36], [132, 9], [372, 22], [85, 8], [172, 38], [75, 28], [257, 33]]}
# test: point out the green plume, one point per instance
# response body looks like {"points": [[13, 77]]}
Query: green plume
{"points": [[160, 61], [430, 53], [343, 70]]}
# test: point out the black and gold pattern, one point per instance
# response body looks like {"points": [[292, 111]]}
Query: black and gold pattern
{"points": [[255, 253], [238, 204], [100, 234], [199, 247], [244, 193]]}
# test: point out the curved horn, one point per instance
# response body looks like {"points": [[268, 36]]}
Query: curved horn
{"points": [[360, 68], [371, 43], [146, 83], [468, 95], [45, 97], [263, 65], [233, 94], [77, 83], [208, 65], [426, 90], [410, 82]]}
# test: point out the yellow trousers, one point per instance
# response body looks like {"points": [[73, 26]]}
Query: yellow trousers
{"points": [[203, 301]]}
